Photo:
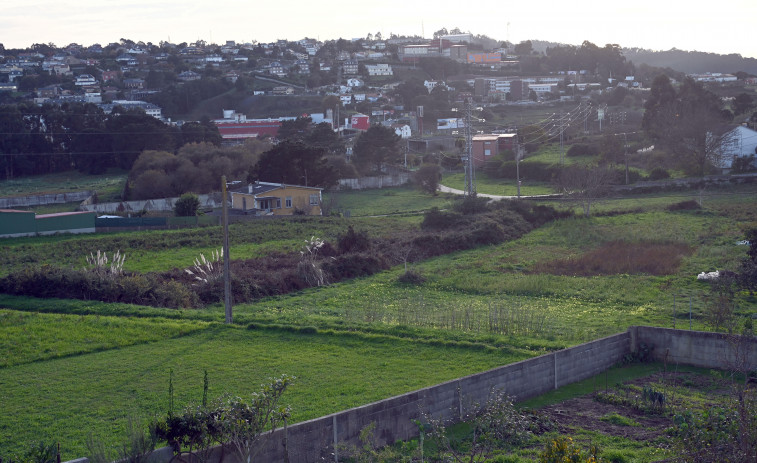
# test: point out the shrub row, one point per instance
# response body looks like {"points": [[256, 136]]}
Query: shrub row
{"points": [[476, 222], [47, 281]]}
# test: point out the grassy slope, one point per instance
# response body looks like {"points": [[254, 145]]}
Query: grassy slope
{"points": [[108, 186], [65, 399]]}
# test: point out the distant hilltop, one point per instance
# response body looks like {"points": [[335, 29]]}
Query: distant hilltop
{"points": [[688, 62]]}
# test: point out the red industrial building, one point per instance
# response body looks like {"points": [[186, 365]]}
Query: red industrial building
{"points": [[360, 122], [486, 146], [236, 126]]}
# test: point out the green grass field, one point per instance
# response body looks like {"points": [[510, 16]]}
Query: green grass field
{"points": [[108, 186], [70, 368]]}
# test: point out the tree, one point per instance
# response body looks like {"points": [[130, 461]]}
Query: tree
{"points": [[186, 205], [742, 103], [689, 123], [494, 425], [375, 148], [428, 178], [295, 163], [523, 48], [203, 131], [585, 185]]}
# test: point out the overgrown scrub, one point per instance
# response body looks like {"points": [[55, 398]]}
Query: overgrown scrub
{"points": [[48, 281], [355, 254], [620, 257]]}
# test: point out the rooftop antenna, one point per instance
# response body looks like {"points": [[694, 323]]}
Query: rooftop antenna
{"points": [[508, 31], [423, 31]]}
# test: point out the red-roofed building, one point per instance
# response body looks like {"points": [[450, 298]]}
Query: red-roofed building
{"points": [[236, 126]]}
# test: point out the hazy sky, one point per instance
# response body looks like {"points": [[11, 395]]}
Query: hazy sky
{"points": [[727, 27]]}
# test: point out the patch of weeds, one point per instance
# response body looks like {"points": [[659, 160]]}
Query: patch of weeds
{"points": [[619, 420]]}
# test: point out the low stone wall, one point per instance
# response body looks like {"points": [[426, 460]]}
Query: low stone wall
{"points": [[208, 201], [41, 200], [366, 183]]}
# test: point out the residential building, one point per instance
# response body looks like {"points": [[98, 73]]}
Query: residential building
{"points": [[134, 83], [355, 82], [379, 70], [350, 67], [402, 130], [739, 142], [263, 198], [149, 108], [188, 76], [283, 90]]}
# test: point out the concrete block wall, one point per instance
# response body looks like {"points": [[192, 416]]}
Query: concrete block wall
{"points": [[383, 181], [697, 348], [314, 440]]}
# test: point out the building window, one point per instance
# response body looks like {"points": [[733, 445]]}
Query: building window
{"points": [[314, 200], [487, 152], [278, 203], [288, 202]]}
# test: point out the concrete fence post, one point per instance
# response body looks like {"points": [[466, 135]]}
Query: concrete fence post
{"points": [[336, 439], [554, 362]]}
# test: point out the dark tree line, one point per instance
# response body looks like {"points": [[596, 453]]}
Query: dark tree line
{"points": [[44, 139]]}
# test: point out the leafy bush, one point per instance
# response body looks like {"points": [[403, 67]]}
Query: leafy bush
{"points": [[564, 450], [354, 265], [533, 171], [353, 241], [186, 205], [658, 173], [688, 205], [436, 219], [580, 149], [470, 205], [411, 277]]}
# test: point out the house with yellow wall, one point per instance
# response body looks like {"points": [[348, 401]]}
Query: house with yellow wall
{"points": [[263, 198]]}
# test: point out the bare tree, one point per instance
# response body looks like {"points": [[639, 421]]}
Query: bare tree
{"points": [[585, 185]]}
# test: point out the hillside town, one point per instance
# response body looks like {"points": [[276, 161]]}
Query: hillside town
{"points": [[384, 248]]}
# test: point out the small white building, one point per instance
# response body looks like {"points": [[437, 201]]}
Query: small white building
{"points": [[740, 142], [402, 130], [354, 82], [85, 79]]}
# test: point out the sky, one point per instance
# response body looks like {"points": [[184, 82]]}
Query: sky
{"points": [[709, 26]]}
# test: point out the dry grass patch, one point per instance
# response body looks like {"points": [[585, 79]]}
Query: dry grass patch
{"points": [[620, 257]]}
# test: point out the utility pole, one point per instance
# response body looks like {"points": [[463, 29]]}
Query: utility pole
{"points": [[226, 260], [470, 178], [625, 154], [519, 153]]}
